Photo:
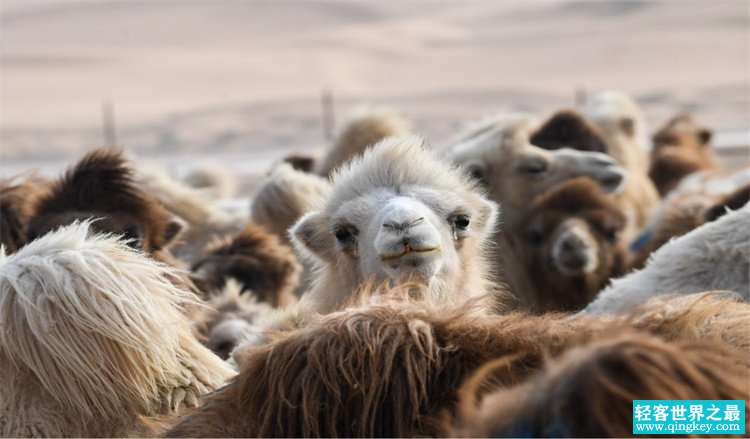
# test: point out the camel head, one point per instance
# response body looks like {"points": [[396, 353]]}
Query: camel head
{"points": [[399, 213], [515, 171]]}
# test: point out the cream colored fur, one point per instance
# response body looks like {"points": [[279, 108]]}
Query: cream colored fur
{"points": [[94, 337], [366, 127], [625, 132], [205, 220], [284, 197]]}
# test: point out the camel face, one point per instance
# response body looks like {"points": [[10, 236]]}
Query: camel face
{"points": [[574, 250], [414, 234], [516, 171], [399, 213]]}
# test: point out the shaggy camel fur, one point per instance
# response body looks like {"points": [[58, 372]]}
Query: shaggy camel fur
{"points": [[398, 213], [18, 202], [100, 186], [265, 268], [94, 339], [231, 318], [683, 212], [680, 148], [570, 245], [713, 256], [284, 197], [364, 129], [568, 129], [392, 367], [624, 129], [205, 221], [384, 370], [589, 391], [496, 152]]}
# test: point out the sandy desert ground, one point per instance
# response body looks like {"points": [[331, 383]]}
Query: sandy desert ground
{"points": [[239, 82]]}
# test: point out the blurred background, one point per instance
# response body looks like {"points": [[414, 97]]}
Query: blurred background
{"points": [[241, 82]]}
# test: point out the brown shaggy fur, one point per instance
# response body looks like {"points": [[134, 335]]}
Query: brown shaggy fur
{"points": [[577, 205], [18, 202], [568, 129], [385, 370], [392, 368], [101, 186], [589, 392], [255, 258], [685, 212], [681, 147]]}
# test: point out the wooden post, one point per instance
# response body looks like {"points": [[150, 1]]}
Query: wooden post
{"points": [[329, 122], [108, 124]]}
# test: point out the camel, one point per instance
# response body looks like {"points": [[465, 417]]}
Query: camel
{"points": [[391, 366], [365, 128], [624, 129], [264, 267], [212, 179], [568, 129], [398, 213], [101, 186], [680, 148], [284, 196], [18, 202], [571, 245], [230, 319], [205, 221], [589, 391], [94, 339], [715, 255], [497, 153], [682, 212]]}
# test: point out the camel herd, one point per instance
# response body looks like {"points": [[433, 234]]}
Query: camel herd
{"points": [[530, 280]]}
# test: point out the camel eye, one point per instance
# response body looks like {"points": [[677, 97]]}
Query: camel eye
{"points": [[461, 222], [533, 167], [345, 235]]}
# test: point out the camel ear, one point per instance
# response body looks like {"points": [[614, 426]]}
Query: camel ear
{"points": [[704, 136], [488, 217], [176, 226], [477, 170], [311, 233]]}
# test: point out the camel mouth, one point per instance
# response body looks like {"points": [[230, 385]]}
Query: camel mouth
{"points": [[409, 250]]}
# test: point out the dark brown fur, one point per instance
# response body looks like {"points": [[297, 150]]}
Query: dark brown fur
{"points": [[578, 203], [568, 129], [301, 162], [255, 258], [589, 392], [101, 186], [386, 370], [18, 202], [680, 148], [393, 368]]}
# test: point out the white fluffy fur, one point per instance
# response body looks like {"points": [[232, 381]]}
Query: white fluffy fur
{"points": [[93, 338], [715, 256], [392, 168], [205, 220]]}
